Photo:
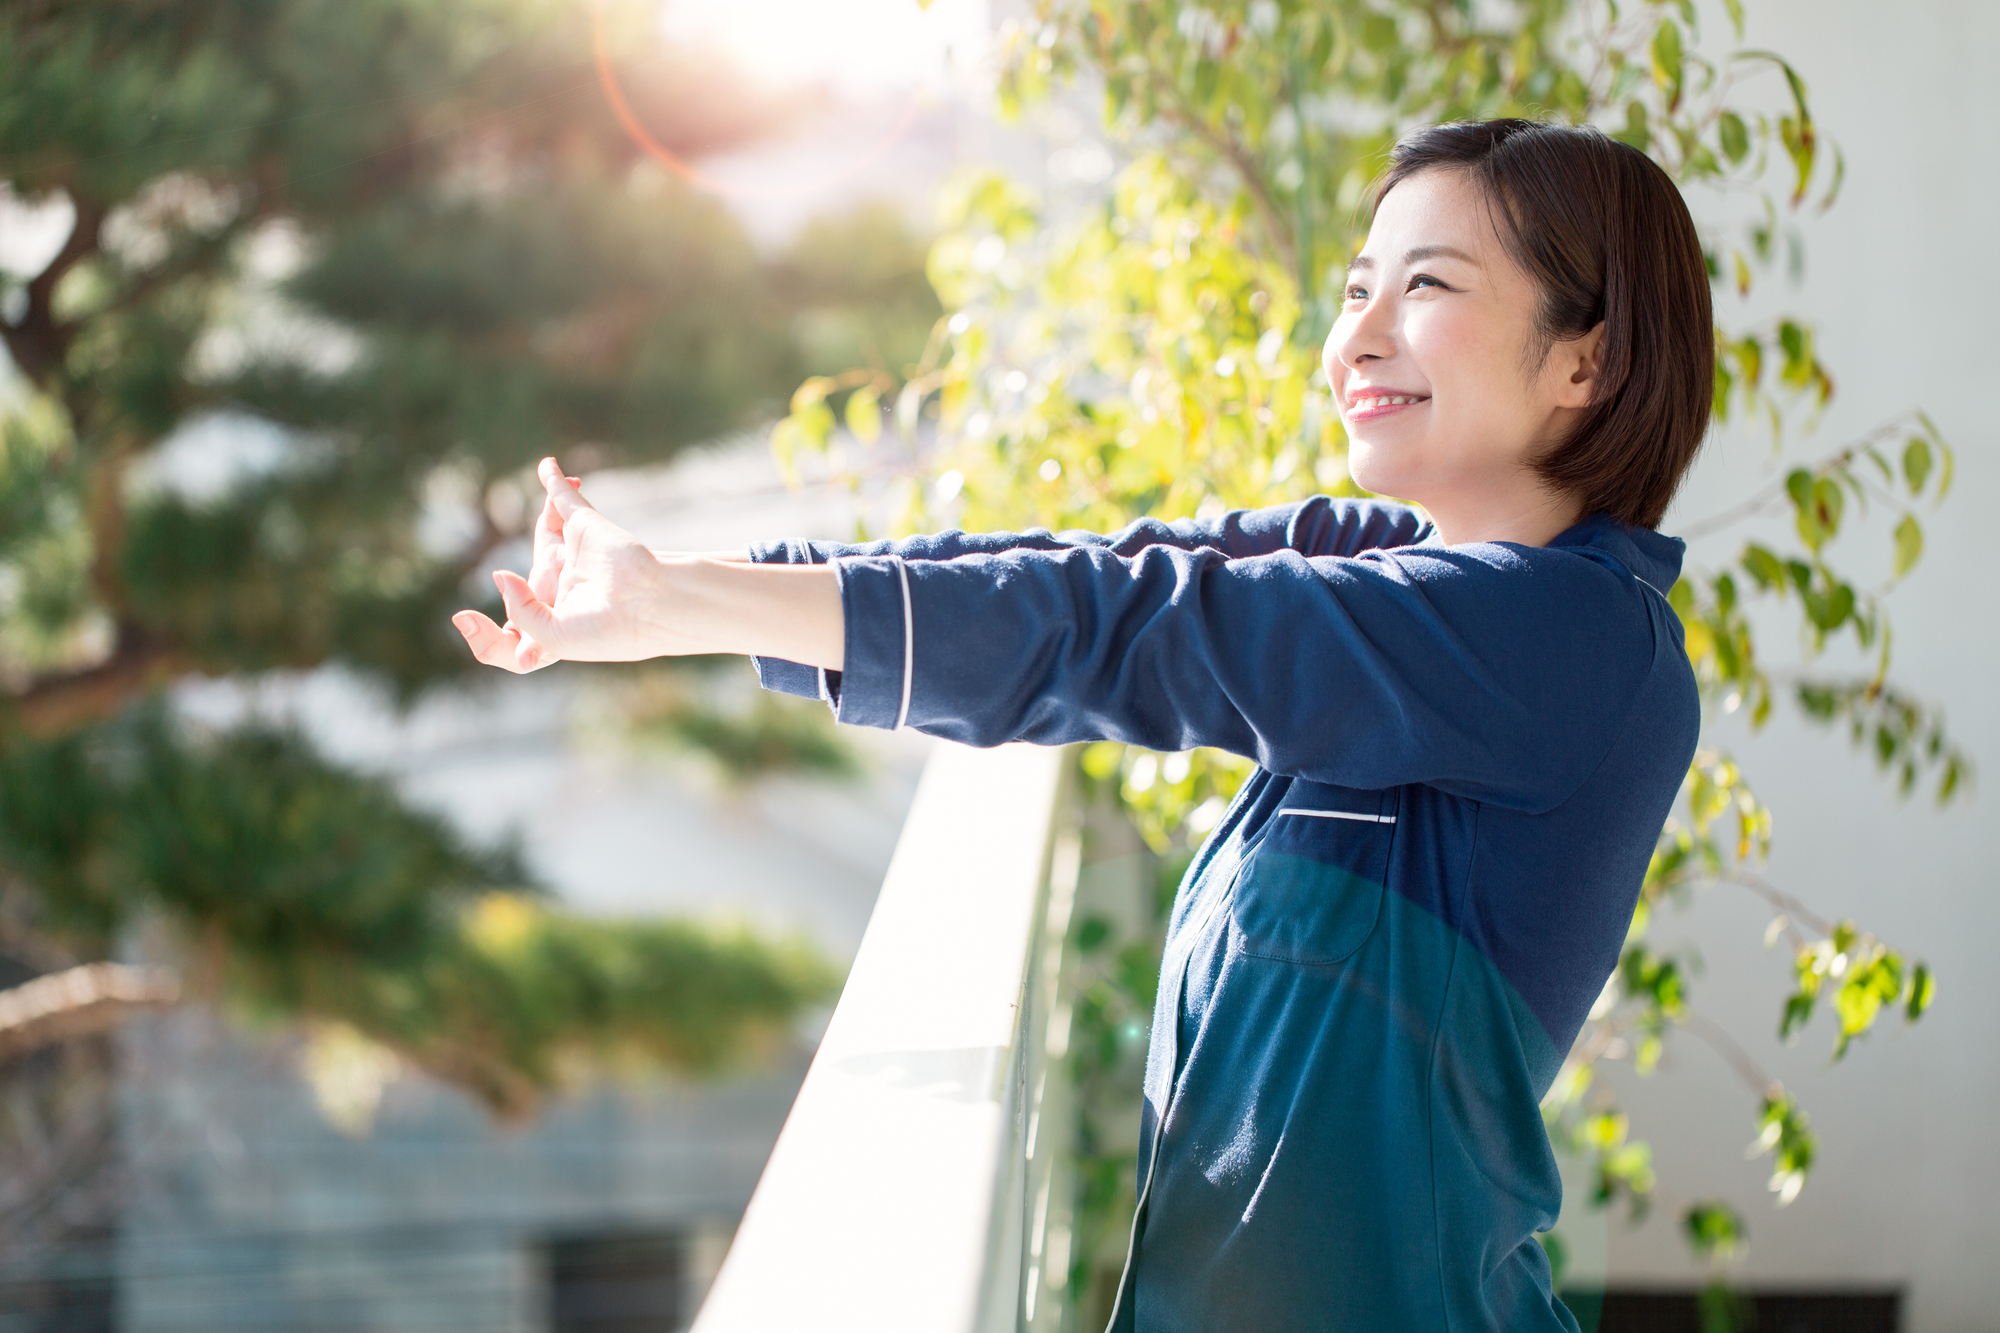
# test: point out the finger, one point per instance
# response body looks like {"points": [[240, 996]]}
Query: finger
{"points": [[498, 646], [565, 494], [544, 576], [529, 612]]}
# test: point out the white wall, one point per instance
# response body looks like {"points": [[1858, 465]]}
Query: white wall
{"points": [[1903, 278]]}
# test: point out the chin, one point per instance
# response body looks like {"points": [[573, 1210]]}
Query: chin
{"points": [[1374, 468]]}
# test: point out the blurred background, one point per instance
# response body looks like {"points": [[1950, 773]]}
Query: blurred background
{"points": [[342, 987]]}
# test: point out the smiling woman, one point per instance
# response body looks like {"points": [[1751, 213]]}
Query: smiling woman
{"points": [[1470, 724], [1474, 225]]}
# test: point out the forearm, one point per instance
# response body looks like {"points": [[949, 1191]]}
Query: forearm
{"points": [[726, 605], [739, 556]]}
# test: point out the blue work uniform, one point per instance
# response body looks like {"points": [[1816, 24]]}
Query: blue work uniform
{"points": [[1375, 965]]}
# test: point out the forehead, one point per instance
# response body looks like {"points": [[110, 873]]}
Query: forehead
{"points": [[1432, 209]]}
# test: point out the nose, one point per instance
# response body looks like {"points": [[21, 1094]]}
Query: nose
{"points": [[1360, 335]]}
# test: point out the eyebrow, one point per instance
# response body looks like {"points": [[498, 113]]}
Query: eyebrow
{"points": [[1416, 256]]}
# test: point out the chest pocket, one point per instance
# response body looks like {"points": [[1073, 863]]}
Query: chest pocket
{"points": [[1312, 890]]}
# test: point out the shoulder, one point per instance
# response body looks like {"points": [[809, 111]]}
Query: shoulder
{"points": [[1583, 573]]}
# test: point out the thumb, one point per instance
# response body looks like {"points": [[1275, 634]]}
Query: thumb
{"points": [[529, 613], [565, 493]]}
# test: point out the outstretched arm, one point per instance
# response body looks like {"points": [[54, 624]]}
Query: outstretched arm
{"points": [[1321, 525], [595, 594]]}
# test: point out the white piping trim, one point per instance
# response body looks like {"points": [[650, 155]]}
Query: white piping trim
{"points": [[909, 645], [1341, 814]]}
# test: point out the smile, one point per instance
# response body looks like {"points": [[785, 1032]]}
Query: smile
{"points": [[1369, 408]]}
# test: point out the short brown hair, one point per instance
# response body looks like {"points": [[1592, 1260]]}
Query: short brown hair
{"points": [[1607, 238]]}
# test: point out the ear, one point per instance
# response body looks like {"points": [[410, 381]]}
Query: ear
{"points": [[1575, 365]]}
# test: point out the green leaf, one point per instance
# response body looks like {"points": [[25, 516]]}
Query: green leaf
{"points": [[1909, 544], [1795, 131], [1713, 1230], [1917, 463], [1798, 1012], [1765, 567], [1797, 341], [1735, 10], [1829, 501], [1667, 60], [1839, 179], [1750, 355], [1635, 131], [864, 414], [1733, 136], [1923, 986], [1830, 610], [1798, 484], [811, 392]]}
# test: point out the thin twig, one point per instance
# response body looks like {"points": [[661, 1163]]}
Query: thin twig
{"points": [[1728, 1048], [1776, 489], [1779, 899]]}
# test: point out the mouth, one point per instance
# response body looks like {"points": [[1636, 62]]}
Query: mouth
{"points": [[1374, 404]]}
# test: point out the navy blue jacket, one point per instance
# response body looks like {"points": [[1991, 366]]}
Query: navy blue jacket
{"points": [[1378, 960]]}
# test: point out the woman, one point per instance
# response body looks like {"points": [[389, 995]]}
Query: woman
{"points": [[1471, 721]]}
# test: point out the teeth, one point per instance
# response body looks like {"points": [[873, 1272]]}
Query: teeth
{"points": [[1369, 404]]}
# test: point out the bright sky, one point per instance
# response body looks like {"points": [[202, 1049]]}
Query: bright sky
{"points": [[863, 48]]}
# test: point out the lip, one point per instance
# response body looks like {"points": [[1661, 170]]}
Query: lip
{"points": [[1367, 391]]}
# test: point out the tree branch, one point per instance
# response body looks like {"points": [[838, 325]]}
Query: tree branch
{"points": [[1253, 180], [38, 344], [1737, 1058], [194, 259], [79, 1002], [58, 703], [1774, 491]]}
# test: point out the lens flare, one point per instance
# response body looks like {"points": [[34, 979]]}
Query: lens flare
{"points": [[700, 179]]}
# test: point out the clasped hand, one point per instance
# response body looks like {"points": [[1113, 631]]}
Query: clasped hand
{"points": [[591, 595], [595, 593]]}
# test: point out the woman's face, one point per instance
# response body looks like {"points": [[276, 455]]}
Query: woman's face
{"points": [[1433, 364]]}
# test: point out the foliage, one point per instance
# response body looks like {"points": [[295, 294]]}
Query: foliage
{"points": [[409, 248], [303, 888], [1156, 351], [744, 740]]}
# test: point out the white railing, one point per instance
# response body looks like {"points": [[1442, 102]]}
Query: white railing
{"points": [[921, 1182]]}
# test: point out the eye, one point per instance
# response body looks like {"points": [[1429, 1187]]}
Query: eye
{"points": [[1355, 292], [1424, 279]]}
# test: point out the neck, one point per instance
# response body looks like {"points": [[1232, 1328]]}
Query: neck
{"points": [[1532, 519]]}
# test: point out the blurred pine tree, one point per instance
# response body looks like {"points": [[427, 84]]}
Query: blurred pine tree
{"points": [[413, 238]]}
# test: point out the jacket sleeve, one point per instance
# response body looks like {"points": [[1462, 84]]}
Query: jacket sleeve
{"points": [[1496, 672], [1318, 526]]}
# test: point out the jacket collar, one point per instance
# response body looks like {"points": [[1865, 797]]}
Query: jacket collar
{"points": [[1652, 557]]}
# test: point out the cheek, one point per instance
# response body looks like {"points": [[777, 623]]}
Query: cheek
{"points": [[1468, 362]]}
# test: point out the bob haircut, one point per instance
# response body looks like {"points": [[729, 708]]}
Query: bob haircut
{"points": [[1606, 237]]}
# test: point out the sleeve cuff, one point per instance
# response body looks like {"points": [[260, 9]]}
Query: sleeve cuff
{"points": [[782, 677], [775, 673], [872, 688], [791, 552]]}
